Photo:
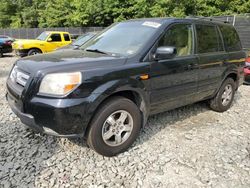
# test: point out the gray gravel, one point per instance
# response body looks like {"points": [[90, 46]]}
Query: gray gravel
{"points": [[188, 147]]}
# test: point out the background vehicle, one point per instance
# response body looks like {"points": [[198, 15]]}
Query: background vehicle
{"points": [[79, 41], [74, 36], [46, 42], [247, 71], [106, 90], [5, 46], [5, 37]]}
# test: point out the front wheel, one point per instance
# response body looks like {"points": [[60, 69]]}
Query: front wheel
{"points": [[1, 53], [224, 98], [34, 52], [115, 126]]}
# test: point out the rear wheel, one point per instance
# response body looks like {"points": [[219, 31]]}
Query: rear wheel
{"points": [[115, 126], [1, 53], [34, 52], [224, 98]]}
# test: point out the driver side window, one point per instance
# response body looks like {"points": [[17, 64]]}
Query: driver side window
{"points": [[56, 37], [179, 36]]}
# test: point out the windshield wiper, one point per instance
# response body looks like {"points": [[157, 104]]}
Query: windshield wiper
{"points": [[97, 51]]}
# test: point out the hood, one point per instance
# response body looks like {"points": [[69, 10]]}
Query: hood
{"points": [[27, 41], [68, 60]]}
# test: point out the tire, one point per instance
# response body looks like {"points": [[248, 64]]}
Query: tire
{"points": [[102, 124], [34, 52], [1, 53], [219, 103]]}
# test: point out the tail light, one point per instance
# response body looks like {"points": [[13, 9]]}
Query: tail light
{"points": [[7, 43], [246, 71], [248, 61]]}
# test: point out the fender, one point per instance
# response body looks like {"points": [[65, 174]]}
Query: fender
{"points": [[117, 87], [36, 48], [232, 69]]}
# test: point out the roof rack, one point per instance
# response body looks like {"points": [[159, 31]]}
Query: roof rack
{"points": [[207, 18]]}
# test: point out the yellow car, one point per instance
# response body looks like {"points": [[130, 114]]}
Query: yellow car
{"points": [[46, 42]]}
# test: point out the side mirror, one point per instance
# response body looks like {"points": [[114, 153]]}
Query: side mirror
{"points": [[75, 47], [165, 52], [49, 40]]}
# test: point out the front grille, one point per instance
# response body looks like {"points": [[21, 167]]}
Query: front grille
{"points": [[19, 77]]}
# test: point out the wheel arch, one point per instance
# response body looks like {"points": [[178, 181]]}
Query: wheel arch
{"points": [[137, 97], [35, 48], [234, 76], [229, 74]]}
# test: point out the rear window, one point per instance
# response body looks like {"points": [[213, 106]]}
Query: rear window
{"points": [[208, 39], [66, 37], [231, 39]]}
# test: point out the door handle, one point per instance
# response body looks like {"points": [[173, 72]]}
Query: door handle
{"points": [[192, 66]]}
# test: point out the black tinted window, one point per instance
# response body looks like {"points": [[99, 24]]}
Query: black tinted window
{"points": [[66, 37], [208, 39], [56, 38], [179, 36], [231, 38]]}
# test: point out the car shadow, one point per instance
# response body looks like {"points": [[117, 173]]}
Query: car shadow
{"points": [[160, 121], [166, 119]]}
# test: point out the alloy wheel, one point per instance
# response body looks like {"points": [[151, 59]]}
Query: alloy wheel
{"points": [[227, 95], [117, 128]]}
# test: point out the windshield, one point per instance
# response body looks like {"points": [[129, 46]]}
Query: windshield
{"points": [[125, 38], [82, 39], [43, 36]]}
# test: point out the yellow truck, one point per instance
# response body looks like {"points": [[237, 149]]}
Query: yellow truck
{"points": [[46, 42]]}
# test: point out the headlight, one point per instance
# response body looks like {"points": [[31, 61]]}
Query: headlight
{"points": [[60, 83]]}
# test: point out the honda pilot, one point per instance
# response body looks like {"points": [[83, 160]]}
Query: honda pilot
{"points": [[106, 90]]}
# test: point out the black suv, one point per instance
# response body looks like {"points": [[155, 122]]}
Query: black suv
{"points": [[105, 90]]}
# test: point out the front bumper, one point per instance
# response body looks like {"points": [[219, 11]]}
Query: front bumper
{"points": [[26, 119], [21, 52], [6, 49], [57, 117]]}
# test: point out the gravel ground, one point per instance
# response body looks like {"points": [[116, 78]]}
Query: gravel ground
{"points": [[187, 147]]}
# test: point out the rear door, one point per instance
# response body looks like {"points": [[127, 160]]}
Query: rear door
{"points": [[66, 39], [174, 81], [212, 57], [236, 56]]}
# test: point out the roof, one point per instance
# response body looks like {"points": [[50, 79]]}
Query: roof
{"points": [[173, 19], [56, 31]]}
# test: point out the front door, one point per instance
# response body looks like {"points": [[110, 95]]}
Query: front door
{"points": [[174, 81], [54, 42]]}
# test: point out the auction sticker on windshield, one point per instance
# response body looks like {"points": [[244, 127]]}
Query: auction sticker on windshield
{"points": [[152, 24]]}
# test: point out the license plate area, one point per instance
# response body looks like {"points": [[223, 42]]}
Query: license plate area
{"points": [[15, 102]]}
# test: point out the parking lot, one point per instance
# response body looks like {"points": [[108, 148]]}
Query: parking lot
{"points": [[191, 145]]}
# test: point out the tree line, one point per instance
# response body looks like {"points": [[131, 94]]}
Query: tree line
{"points": [[77, 13]]}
